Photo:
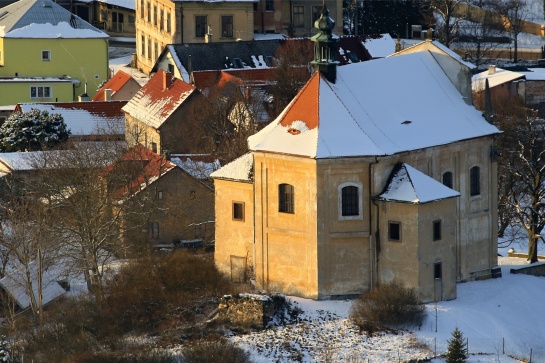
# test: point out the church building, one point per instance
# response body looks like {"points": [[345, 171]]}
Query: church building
{"points": [[376, 170]]}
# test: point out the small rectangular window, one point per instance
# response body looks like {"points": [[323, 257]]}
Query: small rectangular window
{"points": [[269, 5], [192, 194], [200, 26], [475, 181], [227, 26], [155, 15], [148, 8], [161, 19], [299, 16], [131, 20], [316, 12], [154, 147], [40, 92], [238, 211], [142, 9], [149, 48], [46, 55], [153, 229], [394, 231], [286, 198], [437, 270], [159, 195], [437, 230], [168, 21], [143, 45]]}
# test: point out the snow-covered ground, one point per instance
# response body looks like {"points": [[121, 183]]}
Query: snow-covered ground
{"points": [[501, 318]]}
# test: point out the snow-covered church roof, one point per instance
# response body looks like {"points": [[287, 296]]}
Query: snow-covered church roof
{"points": [[42, 19], [239, 169], [408, 185], [380, 107]]}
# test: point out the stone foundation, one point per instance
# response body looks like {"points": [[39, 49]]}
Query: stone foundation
{"points": [[249, 310]]}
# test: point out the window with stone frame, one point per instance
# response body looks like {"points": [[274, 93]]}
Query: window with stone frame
{"points": [[437, 230], [447, 179]]}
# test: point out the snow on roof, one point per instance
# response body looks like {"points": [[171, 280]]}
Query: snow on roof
{"points": [[408, 185], [85, 118], [197, 165], [14, 284], [239, 169], [369, 112], [154, 103], [17, 160], [44, 19], [380, 47], [266, 36], [436, 47], [499, 76], [534, 74]]}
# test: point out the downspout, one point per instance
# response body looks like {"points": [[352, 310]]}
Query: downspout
{"points": [[262, 17], [371, 234], [182, 23], [254, 257]]}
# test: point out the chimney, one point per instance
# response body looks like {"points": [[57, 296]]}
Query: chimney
{"points": [[491, 69], [398, 44], [84, 96], [107, 94], [165, 80]]}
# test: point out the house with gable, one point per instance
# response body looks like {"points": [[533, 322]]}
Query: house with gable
{"points": [[173, 201], [48, 54], [121, 87], [161, 115], [376, 170]]}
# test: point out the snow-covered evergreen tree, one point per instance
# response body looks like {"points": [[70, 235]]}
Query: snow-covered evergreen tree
{"points": [[5, 355], [456, 352], [34, 130]]}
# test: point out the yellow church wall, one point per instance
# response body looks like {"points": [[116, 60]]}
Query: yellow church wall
{"points": [[343, 242], [85, 60], [234, 238], [286, 253]]}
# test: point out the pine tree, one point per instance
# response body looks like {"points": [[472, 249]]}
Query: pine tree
{"points": [[456, 352], [33, 130]]}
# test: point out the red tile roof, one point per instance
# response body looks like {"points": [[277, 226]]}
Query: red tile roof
{"points": [[103, 108], [253, 76], [158, 99], [115, 84], [151, 167], [304, 106]]}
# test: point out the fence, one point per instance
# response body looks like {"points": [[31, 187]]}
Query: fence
{"points": [[493, 346]]}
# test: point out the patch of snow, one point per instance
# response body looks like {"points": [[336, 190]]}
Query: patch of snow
{"points": [[238, 169], [381, 47]]}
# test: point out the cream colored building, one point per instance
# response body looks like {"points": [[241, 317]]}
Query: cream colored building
{"points": [[162, 22], [376, 170]]}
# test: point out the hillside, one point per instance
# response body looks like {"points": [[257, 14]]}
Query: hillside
{"points": [[493, 314]]}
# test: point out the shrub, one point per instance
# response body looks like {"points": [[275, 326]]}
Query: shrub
{"points": [[220, 351], [456, 352], [388, 305], [149, 356]]}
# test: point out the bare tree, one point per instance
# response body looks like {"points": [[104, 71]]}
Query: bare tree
{"points": [[522, 169], [514, 13], [447, 15], [483, 33]]}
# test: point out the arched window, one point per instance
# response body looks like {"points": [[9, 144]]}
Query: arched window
{"points": [[350, 201], [447, 179], [286, 198], [474, 181]]}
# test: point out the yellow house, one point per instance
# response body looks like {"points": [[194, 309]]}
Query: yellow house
{"points": [[37, 89], [376, 170], [162, 22], [39, 38]]}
